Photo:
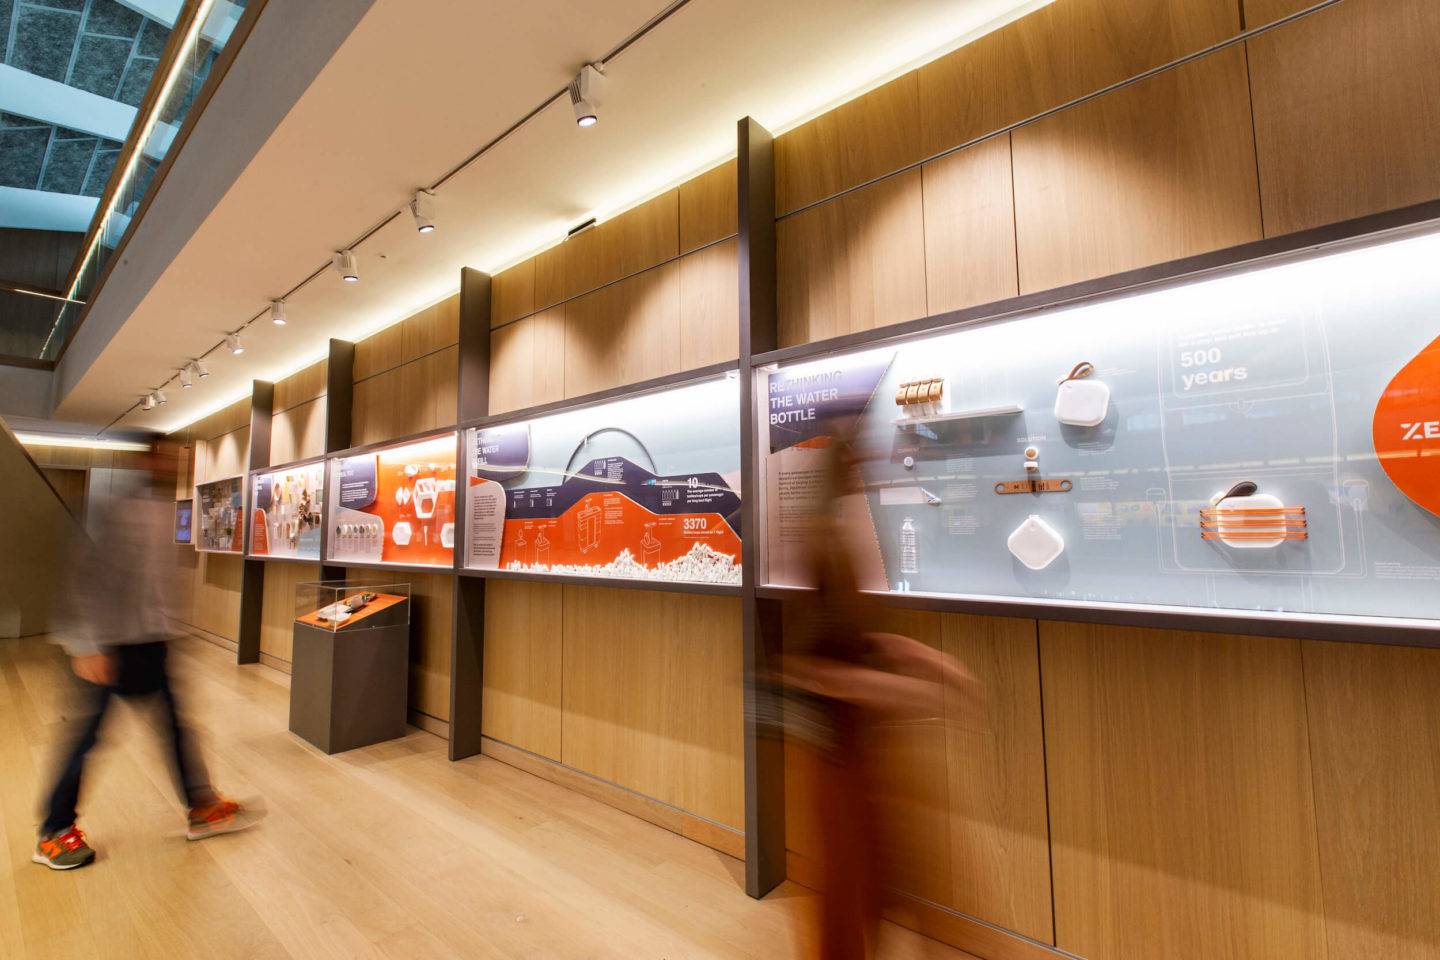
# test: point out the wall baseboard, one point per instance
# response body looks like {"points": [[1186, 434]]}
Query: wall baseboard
{"points": [[713, 835], [275, 663], [429, 724], [937, 922], [206, 635]]}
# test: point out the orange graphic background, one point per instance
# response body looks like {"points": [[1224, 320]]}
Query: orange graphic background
{"points": [[1412, 397], [434, 459], [619, 523]]}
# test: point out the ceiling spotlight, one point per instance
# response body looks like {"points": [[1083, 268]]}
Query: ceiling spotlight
{"points": [[344, 263], [233, 342], [277, 312], [201, 370], [422, 208], [147, 402], [586, 93], [187, 379], [160, 397]]}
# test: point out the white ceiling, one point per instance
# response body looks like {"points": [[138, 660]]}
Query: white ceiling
{"points": [[421, 84]]}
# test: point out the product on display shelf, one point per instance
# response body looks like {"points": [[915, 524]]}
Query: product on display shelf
{"points": [[286, 512], [1318, 376], [219, 516], [1082, 401], [642, 488], [395, 505]]}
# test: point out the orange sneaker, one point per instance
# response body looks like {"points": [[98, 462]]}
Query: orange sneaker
{"points": [[218, 816], [64, 850]]}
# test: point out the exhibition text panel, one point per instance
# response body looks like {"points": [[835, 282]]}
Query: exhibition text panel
{"points": [[286, 510], [1266, 440], [641, 488], [395, 505]]}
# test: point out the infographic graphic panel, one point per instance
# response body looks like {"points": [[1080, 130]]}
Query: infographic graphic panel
{"points": [[219, 519], [643, 488], [285, 512], [1262, 441], [396, 505]]}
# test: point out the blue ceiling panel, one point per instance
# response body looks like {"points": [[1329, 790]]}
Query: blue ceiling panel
{"points": [[43, 41]]}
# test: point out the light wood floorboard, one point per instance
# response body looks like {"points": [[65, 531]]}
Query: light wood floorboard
{"points": [[385, 852]]}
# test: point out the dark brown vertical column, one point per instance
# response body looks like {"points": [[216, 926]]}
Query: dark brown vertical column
{"points": [[467, 641], [764, 748], [339, 413], [252, 584]]}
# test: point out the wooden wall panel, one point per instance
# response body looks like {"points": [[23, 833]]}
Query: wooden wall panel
{"points": [[568, 269], [1159, 170], [413, 397], [298, 432], [1062, 51], [652, 696], [512, 293], [708, 207], [300, 387], [378, 352], [1347, 110], [216, 594], [870, 136], [999, 822], [227, 455], [1181, 807], [970, 227], [1375, 737], [623, 333], [522, 675], [277, 619], [527, 361], [710, 305], [641, 237], [853, 264]]}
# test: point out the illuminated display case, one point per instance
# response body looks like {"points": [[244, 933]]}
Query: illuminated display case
{"points": [[351, 605], [394, 504], [286, 511], [645, 487], [218, 521], [1262, 440]]}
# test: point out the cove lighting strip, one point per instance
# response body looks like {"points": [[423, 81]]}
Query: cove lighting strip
{"points": [[86, 443]]}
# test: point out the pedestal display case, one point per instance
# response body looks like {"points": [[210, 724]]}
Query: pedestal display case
{"points": [[219, 516], [641, 487], [1257, 442], [394, 505], [286, 511], [351, 656]]}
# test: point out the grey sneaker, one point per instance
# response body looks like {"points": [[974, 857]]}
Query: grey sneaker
{"points": [[64, 850]]}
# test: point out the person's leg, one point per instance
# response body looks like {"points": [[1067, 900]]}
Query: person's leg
{"points": [[63, 797], [192, 780]]}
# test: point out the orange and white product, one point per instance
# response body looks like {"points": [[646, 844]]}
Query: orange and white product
{"points": [[1082, 401], [1407, 429]]}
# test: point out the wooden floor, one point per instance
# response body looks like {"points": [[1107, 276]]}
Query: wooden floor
{"points": [[391, 851]]}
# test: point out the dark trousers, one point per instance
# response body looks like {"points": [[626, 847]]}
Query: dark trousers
{"points": [[142, 674]]}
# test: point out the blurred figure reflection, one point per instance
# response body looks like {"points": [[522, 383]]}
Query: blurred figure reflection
{"points": [[114, 628], [842, 681]]}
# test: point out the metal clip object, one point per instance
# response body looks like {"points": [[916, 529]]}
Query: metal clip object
{"points": [[1034, 485]]}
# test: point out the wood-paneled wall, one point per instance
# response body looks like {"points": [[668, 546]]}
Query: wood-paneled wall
{"points": [[1198, 795], [640, 689], [297, 425]]}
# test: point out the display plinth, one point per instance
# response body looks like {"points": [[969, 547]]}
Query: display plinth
{"points": [[350, 667]]}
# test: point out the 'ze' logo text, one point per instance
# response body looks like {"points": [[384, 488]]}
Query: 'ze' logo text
{"points": [[1428, 430]]}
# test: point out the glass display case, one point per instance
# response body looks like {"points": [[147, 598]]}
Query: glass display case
{"points": [[219, 516], [645, 487], [394, 505], [286, 509], [1264, 439], [351, 605]]}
